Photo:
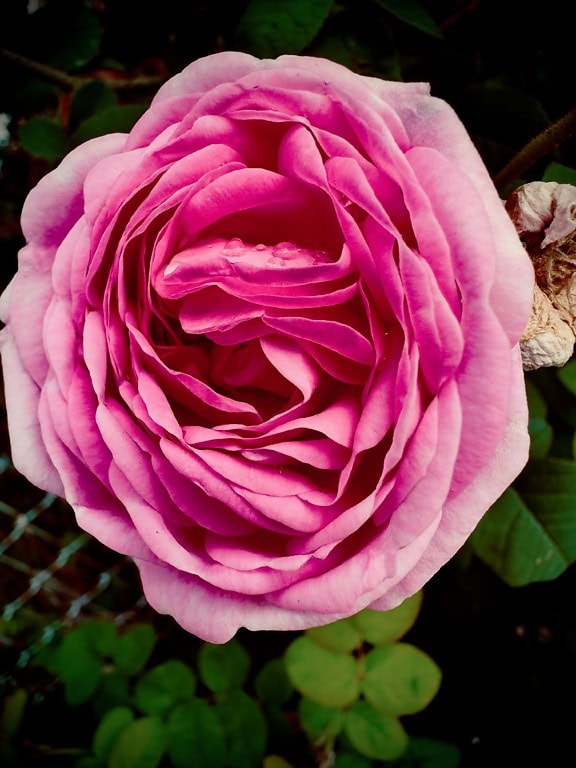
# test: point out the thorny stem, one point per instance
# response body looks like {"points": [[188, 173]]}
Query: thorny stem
{"points": [[69, 82], [537, 148]]}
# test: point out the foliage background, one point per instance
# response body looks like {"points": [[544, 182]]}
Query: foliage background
{"points": [[502, 630]]}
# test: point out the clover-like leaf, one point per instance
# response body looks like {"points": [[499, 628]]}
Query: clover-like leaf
{"points": [[272, 683], [164, 686], [341, 635], [245, 729], [321, 675], [109, 729], [141, 744], [134, 647], [375, 734], [223, 667], [400, 679], [194, 730], [318, 720], [352, 760], [379, 627]]}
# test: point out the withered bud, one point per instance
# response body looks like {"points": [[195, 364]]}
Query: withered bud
{"points": [[544, 214]]}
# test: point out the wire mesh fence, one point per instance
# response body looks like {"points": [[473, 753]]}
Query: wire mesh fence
{"points": [[52, 575]]}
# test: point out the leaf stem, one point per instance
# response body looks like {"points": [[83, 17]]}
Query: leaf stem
{"points": [[537, 148]]}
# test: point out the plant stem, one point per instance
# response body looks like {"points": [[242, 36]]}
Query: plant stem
{"points": [[51, 75], [537, 148], [70, 82]]}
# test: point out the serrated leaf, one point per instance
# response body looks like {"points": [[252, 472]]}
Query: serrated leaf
{"points": [[269, 28], [141, 744], [374, 734], [245, 729], [194, 731], [164, 686], [318, 720], [562, 174], [400, 679], [109, 729], [529, 534], [223, 667], [134, 648], [341, 635], [112, 120], [43, 138], [413, 13], [90, 98], [272, 684], [379, 627], [321, 675]]}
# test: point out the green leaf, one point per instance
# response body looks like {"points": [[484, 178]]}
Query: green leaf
{"points": [[275, 761], [529, 534], [195, 733], [12, 713], [540, 431], [134, 648], [68, 35], [374, 734], [560, 173], [341, 635], [109, 729], [322, 676], [140, 745], [318, 720], [164, 686], [379, 627], [567, 375], [223, 667], [351, 760], [400, 679], [111, 120], [101, 637], [272, 683], [79, 667], [90, 98], [413, 13], [89, 761], [269, 28], [43, 138], [245, 729], [112, 692], [429, 753]]}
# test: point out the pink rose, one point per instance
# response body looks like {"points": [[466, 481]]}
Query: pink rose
{"points": [[266, 344]]}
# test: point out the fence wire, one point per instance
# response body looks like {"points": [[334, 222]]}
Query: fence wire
{"points": [[52, 575]]}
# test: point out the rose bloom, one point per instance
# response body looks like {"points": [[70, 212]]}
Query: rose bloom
{"points": [[266, 344]]}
